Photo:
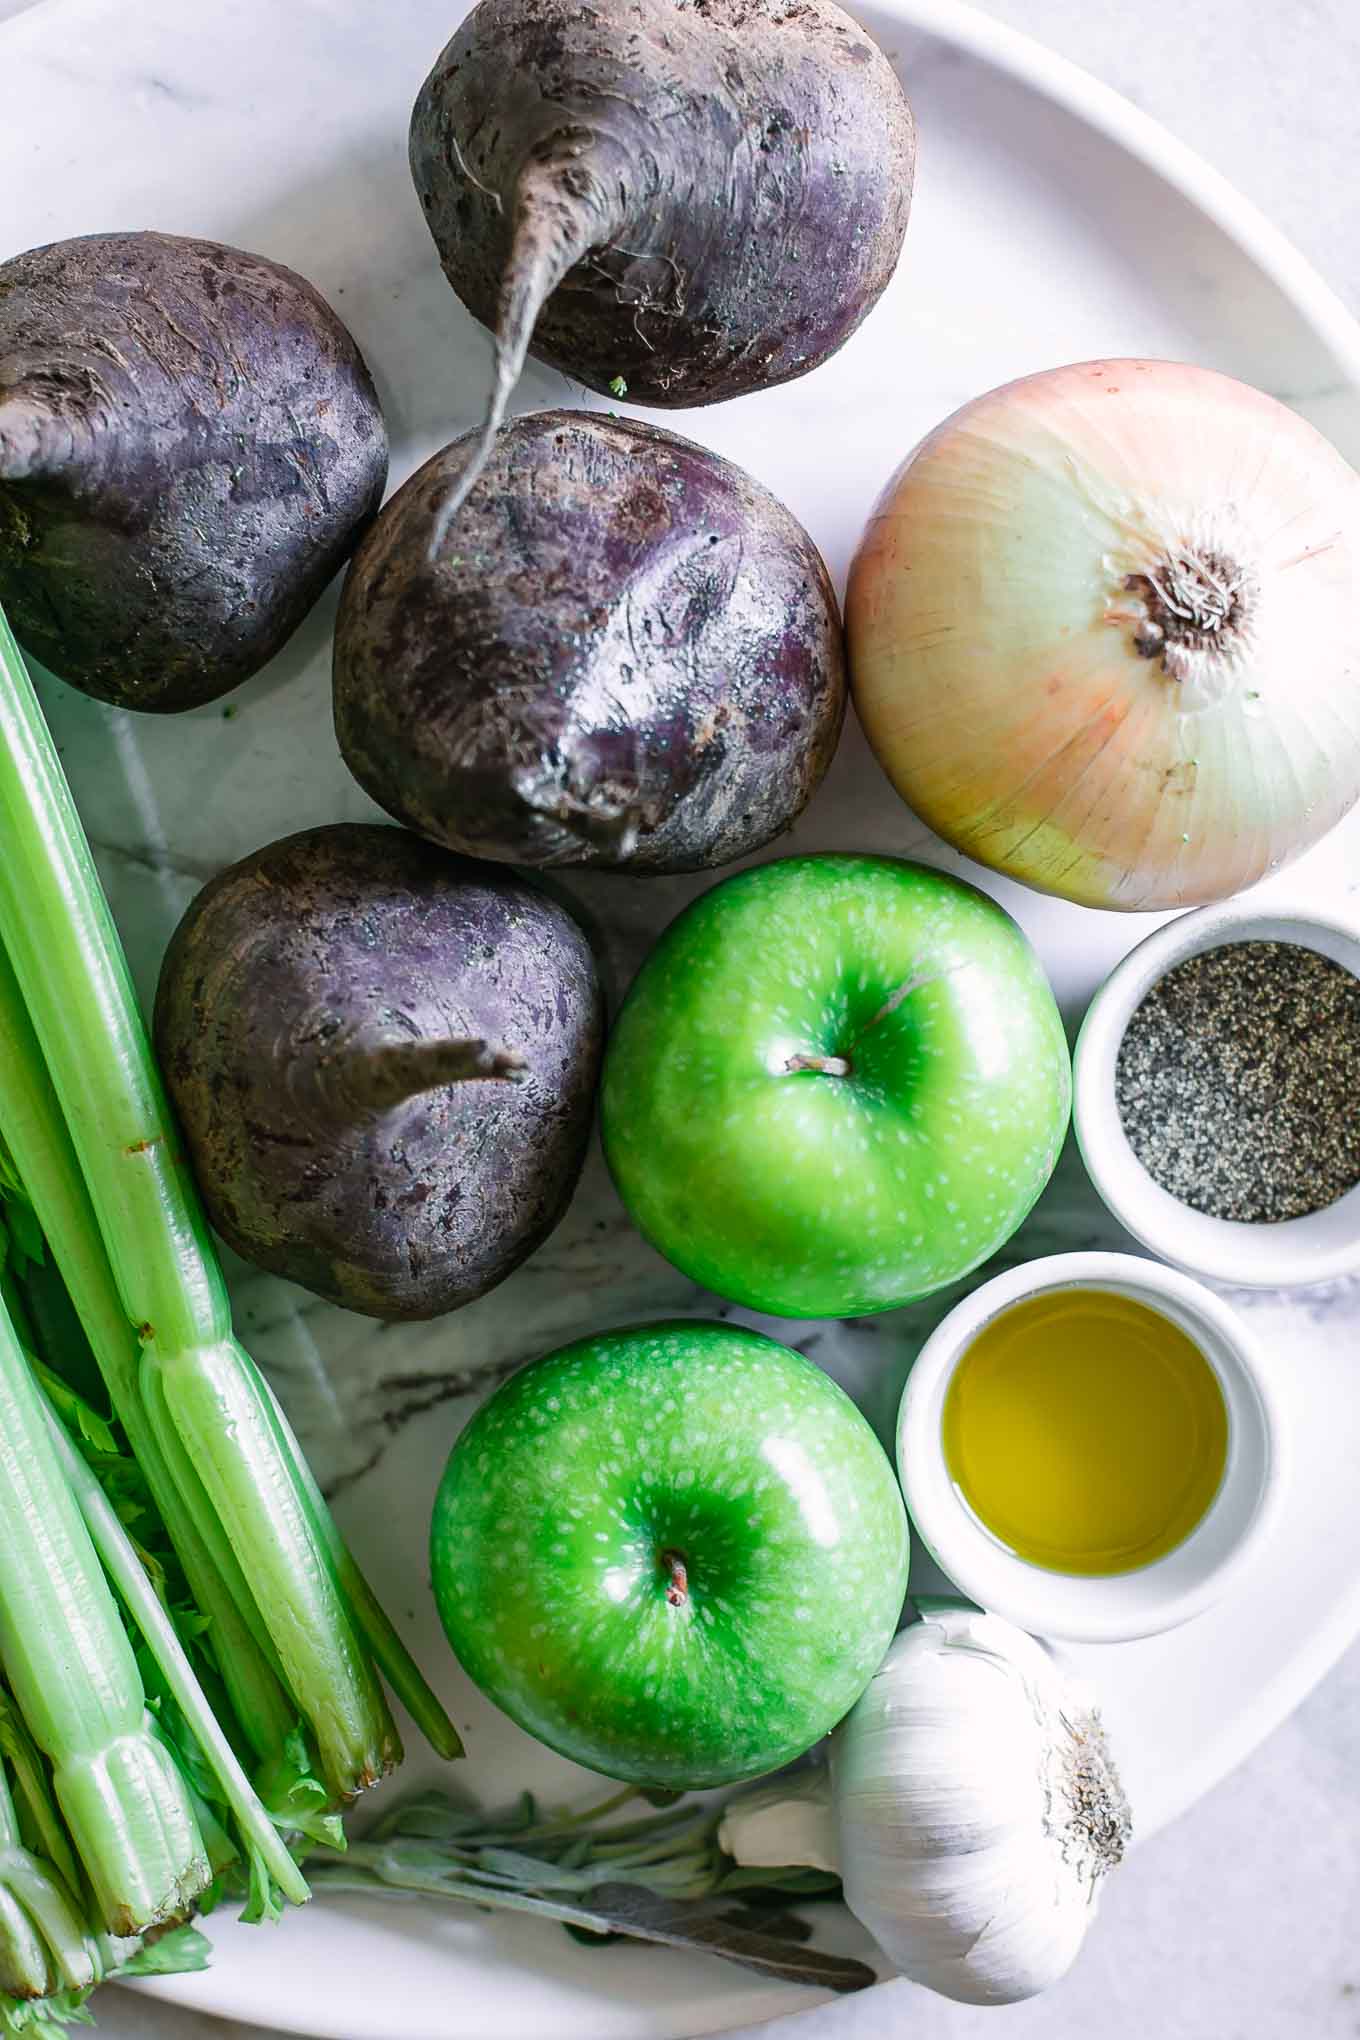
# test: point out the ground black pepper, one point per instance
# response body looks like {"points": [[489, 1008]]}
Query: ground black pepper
{"points": [[1238, 1081]]}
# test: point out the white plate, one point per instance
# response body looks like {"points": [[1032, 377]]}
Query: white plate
{"points": [[1052, 222]]}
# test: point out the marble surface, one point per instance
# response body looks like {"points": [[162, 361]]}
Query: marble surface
{"points": [[1234, 1922]]}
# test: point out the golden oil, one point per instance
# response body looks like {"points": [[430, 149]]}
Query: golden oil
{"points": [[1086, 1431]]}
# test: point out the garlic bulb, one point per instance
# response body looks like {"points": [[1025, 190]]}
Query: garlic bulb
{"points": [[973, 1810], [1104, 633]]}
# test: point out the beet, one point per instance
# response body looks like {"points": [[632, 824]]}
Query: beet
{"points": [[190, 444], [689, 198], [633, 657], [384, 1060]]}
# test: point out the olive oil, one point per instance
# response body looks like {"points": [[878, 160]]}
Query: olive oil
{"points": [[1085, 1431]]}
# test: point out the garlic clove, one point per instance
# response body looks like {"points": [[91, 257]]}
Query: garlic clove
{"points": [[788, 1822]]}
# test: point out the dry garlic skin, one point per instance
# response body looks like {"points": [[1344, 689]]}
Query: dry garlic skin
{"points": [[978, 1808], [1104, 631]]}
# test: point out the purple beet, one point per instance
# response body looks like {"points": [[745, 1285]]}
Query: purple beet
{"points": [[190, 445], [689, 198], [384, 1060], [631, 657]]}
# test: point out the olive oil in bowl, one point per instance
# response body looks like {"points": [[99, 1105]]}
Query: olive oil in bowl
{"points": [[1085, 1431]]}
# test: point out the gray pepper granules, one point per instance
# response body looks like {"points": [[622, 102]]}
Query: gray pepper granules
{"points": [[1238, 1081]]}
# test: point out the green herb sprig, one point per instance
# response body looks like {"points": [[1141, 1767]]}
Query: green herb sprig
{"points": [[661, 1877]]}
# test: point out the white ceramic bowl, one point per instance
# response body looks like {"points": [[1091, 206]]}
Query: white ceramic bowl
{"points": [[1122, 1605], [1317, 1248]]}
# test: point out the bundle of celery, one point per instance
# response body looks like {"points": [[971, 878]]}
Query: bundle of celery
{"points": [[189, 1652]]}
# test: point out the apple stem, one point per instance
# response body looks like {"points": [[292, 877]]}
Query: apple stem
{"points": [[825, 1065], [677, 1589]]}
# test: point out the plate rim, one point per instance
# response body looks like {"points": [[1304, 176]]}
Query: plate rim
{"points": [[1141, 135], [1102, 108]]}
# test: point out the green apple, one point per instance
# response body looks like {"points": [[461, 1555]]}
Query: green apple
{"points": [[837, 1083], [676, 1554]]}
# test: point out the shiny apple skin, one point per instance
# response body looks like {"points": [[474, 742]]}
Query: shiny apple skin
{"points": [[808, 1193], [573, 1492]]}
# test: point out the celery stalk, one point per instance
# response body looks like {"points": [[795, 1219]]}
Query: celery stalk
{"points": [[25, 1971], [217, 1408], [43, 1940], [18, 1748], [56, 1954], [124, 1568], [24, 1968], [34, 1133], [195, 1379], [402, 1673], [70, 1667]]}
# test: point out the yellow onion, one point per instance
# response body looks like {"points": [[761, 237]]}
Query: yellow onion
{"points": [[1104, 633]]}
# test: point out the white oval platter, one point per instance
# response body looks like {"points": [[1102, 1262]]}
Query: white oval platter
{"points": [[1053, 222]]}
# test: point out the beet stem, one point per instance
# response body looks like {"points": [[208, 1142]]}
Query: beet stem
{"points": [[554, 227], [375, 1080]]}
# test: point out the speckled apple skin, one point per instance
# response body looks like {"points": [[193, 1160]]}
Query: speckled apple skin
{"points": [[809, 1195], [569, 1485]]}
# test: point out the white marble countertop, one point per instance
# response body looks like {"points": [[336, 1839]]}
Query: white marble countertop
{"points": [[1240, 1921]]}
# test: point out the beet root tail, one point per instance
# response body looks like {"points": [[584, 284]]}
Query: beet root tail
{"points": [[561, 211], [33, 440], [362, 1082]]}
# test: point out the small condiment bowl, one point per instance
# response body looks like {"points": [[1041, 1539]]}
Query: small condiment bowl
{"points": [[1317, 1248], [1111, 1607]]}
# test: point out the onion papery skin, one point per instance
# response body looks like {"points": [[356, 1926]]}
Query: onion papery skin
{"points": [[1008, 661]]}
